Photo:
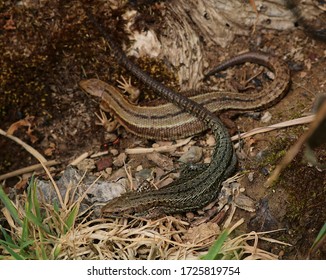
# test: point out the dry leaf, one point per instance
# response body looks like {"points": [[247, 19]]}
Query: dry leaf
{"points": [[49, 151]]}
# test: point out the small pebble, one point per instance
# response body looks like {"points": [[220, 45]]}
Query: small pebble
{"points": [[251, 176], [120, 160], [193, 155], [86, 165], [267, 116], [110, 137], [114, 152], [161, 160], [139, 168], [103, 163], [270, 75], [108, 171], [117, 174], [104, 175], [143, 175], [211, 141], [190, 216], [159, 173], [265, 171], [244, 202]]}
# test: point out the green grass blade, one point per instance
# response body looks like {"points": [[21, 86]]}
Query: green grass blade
{"points": [[34, 199], [25, 231], [33, 219], [320, 236], [57, 250], [71, 218], [56, 206], [9, 205], [42, 246], [10, 244], [22, 245], [12, 252], [26, 244], [40, 251], [214, 252], [6, 236]]}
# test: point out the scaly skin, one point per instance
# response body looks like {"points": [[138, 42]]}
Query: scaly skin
{"points": [[191, 191]]}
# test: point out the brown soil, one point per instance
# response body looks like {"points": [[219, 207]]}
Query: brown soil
{"points": [[47, 50]]}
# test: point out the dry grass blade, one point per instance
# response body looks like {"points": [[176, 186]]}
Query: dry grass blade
{"points": [[27, 147], [241, 249], [38, 156], [258, 130], [28, 169], [162, 149], [119, 239]]}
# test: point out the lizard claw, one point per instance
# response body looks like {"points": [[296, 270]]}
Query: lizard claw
{"points": [[127, 87], [109, 125]]}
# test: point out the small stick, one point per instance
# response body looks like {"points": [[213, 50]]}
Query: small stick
{"points": [[258, 130], [80, 158], [27, 169], [161, 149]]}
